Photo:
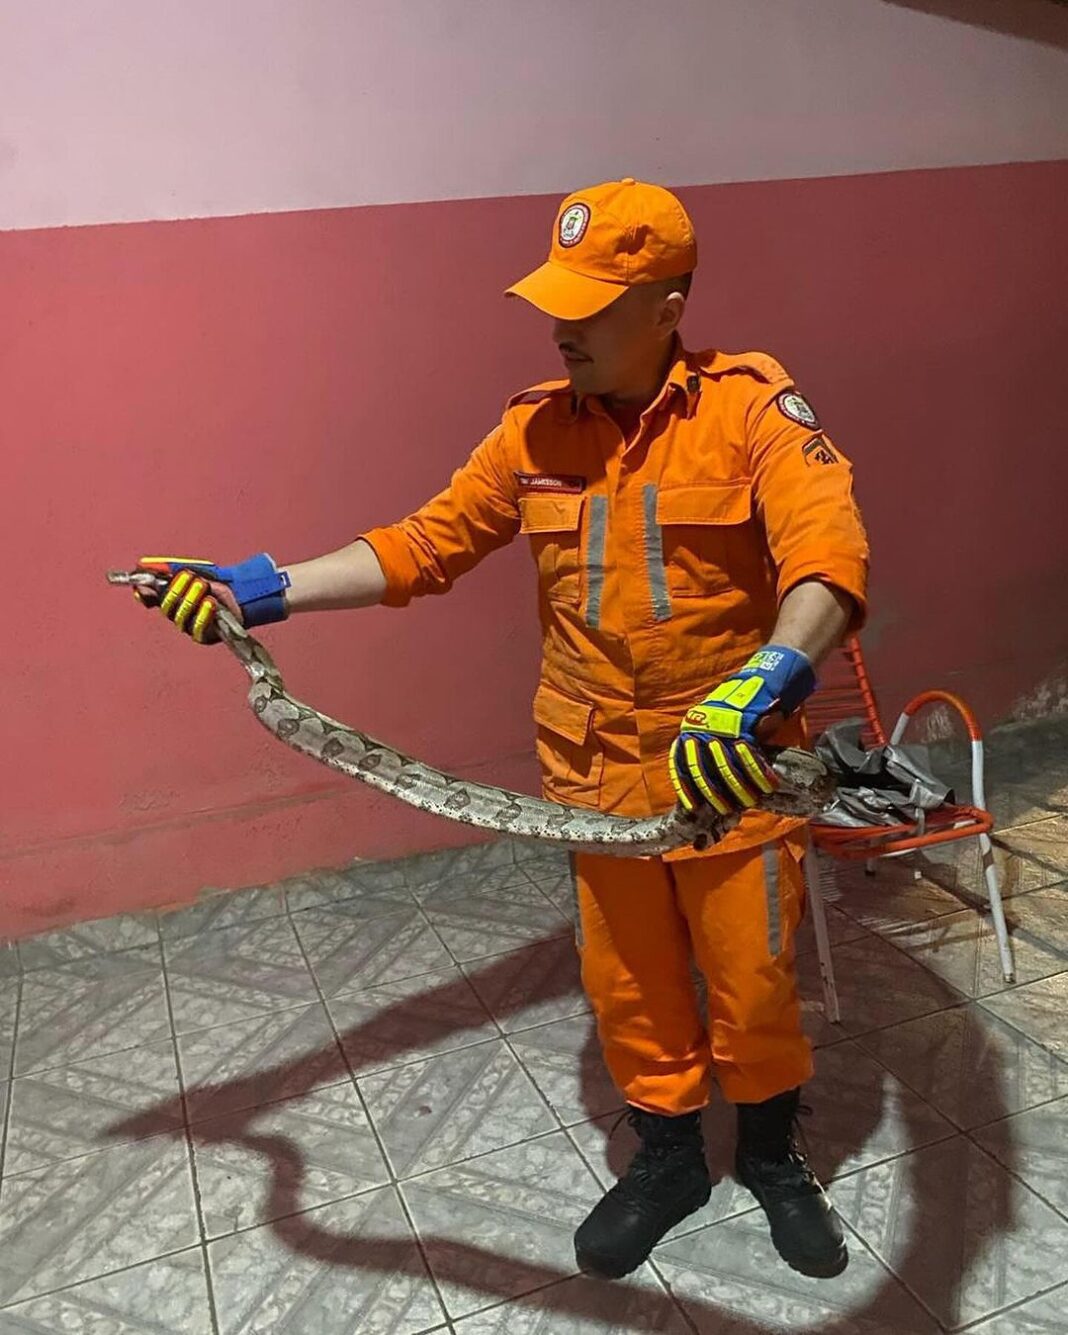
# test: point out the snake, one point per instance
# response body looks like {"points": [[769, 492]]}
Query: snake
{"points": [[805, 784]]}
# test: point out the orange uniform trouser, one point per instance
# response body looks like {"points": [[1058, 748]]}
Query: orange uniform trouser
{"points": [[735, 914]]}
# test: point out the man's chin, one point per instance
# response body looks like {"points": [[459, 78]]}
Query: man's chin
{"points": [[582, 380]]}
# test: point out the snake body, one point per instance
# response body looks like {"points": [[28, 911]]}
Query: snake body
{"points": [[806, 784]]}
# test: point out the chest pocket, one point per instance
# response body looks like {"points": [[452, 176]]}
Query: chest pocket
{"points": [[554, 526], [705, 534]]}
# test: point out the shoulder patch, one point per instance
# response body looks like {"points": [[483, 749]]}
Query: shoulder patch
{"points": [[759, 364], [819, 451], [538, 393], [797, 408]]}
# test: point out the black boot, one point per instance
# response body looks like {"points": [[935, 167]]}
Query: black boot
{"points": [[667, 1180], [804, 1227]]}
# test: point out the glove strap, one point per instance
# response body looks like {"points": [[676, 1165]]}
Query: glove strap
{"points": [[259, 588], [787, 673]]}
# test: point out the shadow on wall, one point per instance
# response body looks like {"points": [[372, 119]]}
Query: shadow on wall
{"points": [[1044, 21]]}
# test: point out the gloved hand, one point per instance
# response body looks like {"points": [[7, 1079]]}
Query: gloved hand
{"points": [[185, 596], [716, 757]]}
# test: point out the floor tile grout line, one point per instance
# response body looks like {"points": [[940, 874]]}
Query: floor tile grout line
{"points": [[10, 1080], [212, 1239], [901, 1279], [1012, 1307], [393, 1183], [536, 944], [290, 1005], [6, 1306], [672, 1296], [185, 1033], [82, 958], [546, 1024], [937, 977], [325, 998], [536, 1087], [984, 935], [1033, 890], [989, 1154], [474, 1158], [1020, 1112], [957, 1128], [892, 1273], [196, 1122], [518, 1297], [246, 1019], [1005, 1019], [848, 1034], [198, 1204], [361, 1074], [91, 1154], [527, 945], [969, 1003]]}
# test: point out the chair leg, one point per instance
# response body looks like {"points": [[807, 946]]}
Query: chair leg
{"points": [[997, 911], [869, 867], [823, 939]]}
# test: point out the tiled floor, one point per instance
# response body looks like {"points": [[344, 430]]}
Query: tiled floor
{"points": [[372, 1101]]}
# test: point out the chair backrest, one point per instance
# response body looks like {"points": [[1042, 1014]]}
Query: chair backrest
{"points": [[845, 691]]}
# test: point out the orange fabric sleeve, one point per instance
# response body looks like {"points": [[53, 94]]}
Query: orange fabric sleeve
{"points": [[803, 489], [474, 515]]}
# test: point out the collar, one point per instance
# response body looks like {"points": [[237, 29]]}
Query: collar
{"points": [[684, 376]]}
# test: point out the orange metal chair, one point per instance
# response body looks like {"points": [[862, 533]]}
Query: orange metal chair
{"points": [[846, 693]]}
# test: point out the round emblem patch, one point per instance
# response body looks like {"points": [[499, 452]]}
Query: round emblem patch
{"points": [[573, 224], [797, 408]]}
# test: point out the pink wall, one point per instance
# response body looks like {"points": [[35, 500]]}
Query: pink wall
{"points": [[283, 381]]}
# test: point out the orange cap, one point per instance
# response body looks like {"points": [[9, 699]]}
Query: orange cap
{"points": [[606, 239]]}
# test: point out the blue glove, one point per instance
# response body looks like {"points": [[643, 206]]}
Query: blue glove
{"points": [[258, 587], [716, 757]]}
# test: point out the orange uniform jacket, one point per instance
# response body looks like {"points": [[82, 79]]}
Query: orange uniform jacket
{"points": [[661, 562]]}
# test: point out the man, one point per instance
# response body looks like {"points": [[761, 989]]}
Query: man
{"points": [[695, 539]]}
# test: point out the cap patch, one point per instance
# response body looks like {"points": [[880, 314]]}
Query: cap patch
{"points": [[797, 408], [573, 224]]}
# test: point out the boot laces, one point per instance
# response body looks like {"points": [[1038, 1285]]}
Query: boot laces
{"points": [[654, 1150], [793, 1172]]}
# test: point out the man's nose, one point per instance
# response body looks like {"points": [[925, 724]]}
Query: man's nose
{"points": [[563, 331]]}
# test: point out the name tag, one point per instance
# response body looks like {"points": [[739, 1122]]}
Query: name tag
{"points": [[567, 484]]}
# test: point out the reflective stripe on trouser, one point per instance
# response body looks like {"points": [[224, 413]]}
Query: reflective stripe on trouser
{"points": [[638, 918]]}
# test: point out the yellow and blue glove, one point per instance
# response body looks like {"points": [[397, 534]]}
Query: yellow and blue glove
{"points": [[716, 758], [184, 594]]}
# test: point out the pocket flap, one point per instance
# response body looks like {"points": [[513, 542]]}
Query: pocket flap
{"points": [[549, 514], [705, 503], [559, 713]]}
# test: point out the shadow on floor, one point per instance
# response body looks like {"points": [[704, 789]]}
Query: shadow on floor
{"points": [[478, 1266]]}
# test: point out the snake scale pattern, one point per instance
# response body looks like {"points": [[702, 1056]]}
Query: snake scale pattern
{"points": [[806, 785]]}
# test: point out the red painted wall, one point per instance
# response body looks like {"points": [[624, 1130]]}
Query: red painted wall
{"points": [[283, 381]]}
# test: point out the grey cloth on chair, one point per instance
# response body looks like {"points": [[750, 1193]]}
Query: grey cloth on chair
{"points": [[882, 786]]}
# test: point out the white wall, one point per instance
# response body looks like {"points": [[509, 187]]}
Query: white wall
{"points": [[116, 110]]}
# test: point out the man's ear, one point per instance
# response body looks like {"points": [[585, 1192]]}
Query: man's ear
{"points": [[671, 312]]}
